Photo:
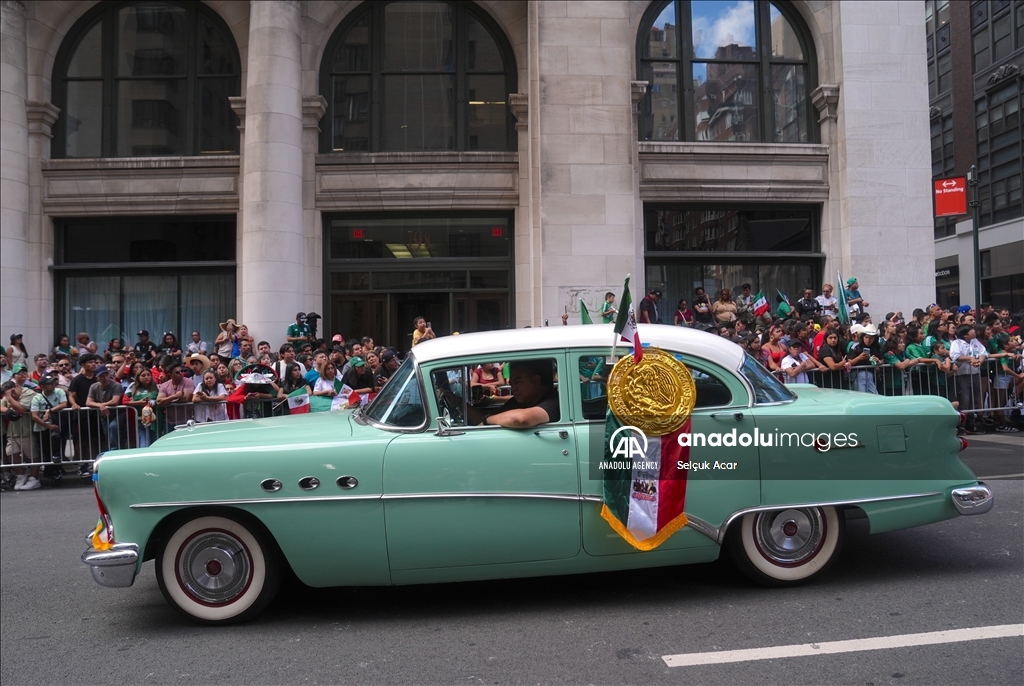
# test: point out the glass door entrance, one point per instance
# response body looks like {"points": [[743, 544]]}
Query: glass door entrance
{"points": [[381, 271], [388, 318]]}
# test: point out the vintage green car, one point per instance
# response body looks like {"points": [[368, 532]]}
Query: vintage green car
{"points": [[405, 491]]}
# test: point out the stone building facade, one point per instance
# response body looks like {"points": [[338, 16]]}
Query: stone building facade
{"points": [[488, 164]]}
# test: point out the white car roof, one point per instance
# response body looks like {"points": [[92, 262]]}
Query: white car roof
{"points": [[502, 343]]}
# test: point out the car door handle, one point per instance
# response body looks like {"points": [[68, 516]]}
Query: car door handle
{"points": [[562, 433], [738, 416]]}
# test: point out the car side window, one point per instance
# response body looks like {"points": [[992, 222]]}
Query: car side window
{"points": [[711, 391], [468, 392], [593, 378]]}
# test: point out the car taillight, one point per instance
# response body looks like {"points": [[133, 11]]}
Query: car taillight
{"points": [[103, 536], [963, 420], [963, 443]]}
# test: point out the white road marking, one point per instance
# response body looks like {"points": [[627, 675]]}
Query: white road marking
{"points": [[1002, 476], [852, 646]]}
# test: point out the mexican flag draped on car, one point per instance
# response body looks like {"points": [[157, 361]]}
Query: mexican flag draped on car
{"points": [[644, 491]]}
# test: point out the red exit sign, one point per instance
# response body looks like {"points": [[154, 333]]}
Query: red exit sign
{"points": [[497, 232], [950, 196], [357, 234]]}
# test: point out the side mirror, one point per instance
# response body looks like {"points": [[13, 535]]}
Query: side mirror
{"points": [[444, 427]]}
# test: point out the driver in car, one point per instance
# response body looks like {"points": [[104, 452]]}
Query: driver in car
{"points": [[534, 398]]}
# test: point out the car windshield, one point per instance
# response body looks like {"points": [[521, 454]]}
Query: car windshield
{"points": [[767, 389], [399, 403]]}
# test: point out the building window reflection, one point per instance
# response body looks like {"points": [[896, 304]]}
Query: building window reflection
{"points": [[725, 71], [146, 79], [417, 76]]}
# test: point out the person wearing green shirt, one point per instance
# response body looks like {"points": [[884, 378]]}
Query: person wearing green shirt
{"points": [[895, 355], [299, 332], [923, 376], [608, 311], [783, 311]]}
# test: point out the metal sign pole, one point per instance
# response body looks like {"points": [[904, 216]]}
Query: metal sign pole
{"points": [[972, 181]]}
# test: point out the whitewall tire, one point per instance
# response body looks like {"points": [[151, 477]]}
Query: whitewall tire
{"points": [[788, 546], [217, 570]]}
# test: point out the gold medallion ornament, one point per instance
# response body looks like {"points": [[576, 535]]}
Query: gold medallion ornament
{"points": [[656, 395]]}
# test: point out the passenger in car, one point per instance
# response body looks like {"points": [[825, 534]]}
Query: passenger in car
{"points": [[534, 398]]}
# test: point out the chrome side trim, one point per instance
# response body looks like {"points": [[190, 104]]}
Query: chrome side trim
{"points": [[393, 496], [537, 496], [700, 526], [973, 500], [828, 503], [718, 534], [255, 501]]}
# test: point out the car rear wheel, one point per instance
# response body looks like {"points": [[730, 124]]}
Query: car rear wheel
{"points": [[218, 570], [789, 546]]}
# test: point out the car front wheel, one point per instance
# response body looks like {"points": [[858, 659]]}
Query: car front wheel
{"points": [[789, 546], [217, 570]]}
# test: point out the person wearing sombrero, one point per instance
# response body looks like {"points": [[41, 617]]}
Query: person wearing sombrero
{"points": [[225, 342], [197, 364]]}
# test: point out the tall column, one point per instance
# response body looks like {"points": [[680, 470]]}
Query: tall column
{"points": [[14, 195], [882, 149], [273, 281]]}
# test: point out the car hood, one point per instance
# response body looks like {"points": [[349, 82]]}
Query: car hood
{"points": [[316, 427]]}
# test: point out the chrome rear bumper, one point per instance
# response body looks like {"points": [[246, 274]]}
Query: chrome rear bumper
{"points": [[114, 567], [973, 500]]}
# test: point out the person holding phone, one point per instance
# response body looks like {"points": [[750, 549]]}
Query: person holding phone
{"points": [[422, 331]]}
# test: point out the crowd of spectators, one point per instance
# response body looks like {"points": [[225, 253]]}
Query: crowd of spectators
{"points": [[972, 357]]}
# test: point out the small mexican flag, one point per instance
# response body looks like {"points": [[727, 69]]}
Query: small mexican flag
{"points": [[643, 502], [625, 323], [298, 401], [585, 313], [760, 304]]}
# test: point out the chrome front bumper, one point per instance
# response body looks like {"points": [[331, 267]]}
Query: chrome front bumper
{"points": [[114, 567], [973, 500]]}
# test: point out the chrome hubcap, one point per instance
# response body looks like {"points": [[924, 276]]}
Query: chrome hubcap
{"points": [[214, 567], [789, 537]]}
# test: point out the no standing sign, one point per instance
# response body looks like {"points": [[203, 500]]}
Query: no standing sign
{"points": [[951, 196]]}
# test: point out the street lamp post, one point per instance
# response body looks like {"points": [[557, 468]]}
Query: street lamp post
{"points": [[972, 181]]}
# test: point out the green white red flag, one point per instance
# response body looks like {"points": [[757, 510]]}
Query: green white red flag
{"points": [[625, 323], [644, 491], [760, 304], [298, 401]]}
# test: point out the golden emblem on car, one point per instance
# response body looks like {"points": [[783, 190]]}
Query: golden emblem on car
{"points": [[656, 395]]}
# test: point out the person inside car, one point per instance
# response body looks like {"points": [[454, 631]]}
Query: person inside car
{"points": [[534, 398]]}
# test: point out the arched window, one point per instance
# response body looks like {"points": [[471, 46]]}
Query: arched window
{"points": [[733, 70], [417, 76], [146, 78]]}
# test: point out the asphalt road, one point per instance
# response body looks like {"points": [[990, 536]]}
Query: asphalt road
{"points": [[58, 627]]}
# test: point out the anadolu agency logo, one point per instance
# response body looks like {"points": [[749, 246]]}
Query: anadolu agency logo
{"points": [[628, 443]]}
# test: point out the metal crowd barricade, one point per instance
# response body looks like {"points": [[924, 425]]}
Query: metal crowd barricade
{"points": [[85, 433], [983, 390]]}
